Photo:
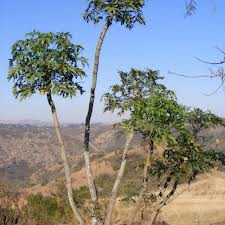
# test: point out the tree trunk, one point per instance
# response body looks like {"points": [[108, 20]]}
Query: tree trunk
{"points": [[154, 217], [144, 184], [65, 161], [169, 195], [89, 174], [118, 180], [163, 203]]}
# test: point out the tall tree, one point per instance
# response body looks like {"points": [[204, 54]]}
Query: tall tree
{"points": [[127, 13], [182, 160], [50, 64]]}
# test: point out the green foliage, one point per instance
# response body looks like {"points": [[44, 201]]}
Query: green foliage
{"points": [[41, 203], [46, 210], [53, 209], [125, 12], [154, 111], [135, 84], [184, 160], [216, 156], [158, 117], [181, 165], [200, 120], [46, 62], [81, 196]]}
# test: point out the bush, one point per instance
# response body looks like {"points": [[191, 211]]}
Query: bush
{"points": [[81, 195], [55, 209], [43, 210]]}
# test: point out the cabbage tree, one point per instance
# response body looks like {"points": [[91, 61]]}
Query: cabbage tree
{"points": [[127, 13], [49, 64]]}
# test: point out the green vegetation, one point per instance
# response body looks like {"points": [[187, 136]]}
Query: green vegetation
{"points": [[47, 210], [160, 119], [125, 12], [42, 210], [47, 63]]}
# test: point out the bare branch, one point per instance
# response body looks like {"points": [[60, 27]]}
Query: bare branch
{"points": [[190, 76], [220, 50], [212, 63], [214, 92]]}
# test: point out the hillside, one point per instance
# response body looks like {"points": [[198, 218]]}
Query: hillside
{"points": [[30, 160], [30, 153]]}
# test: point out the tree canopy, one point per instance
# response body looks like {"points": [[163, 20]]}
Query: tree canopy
{"points": [[125, 12], [158, 117], [153, 109], [46, 62], [135, 84]]}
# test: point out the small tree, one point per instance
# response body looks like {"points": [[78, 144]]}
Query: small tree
{"points": [[181, 162], [131, 95], [127, 13], [155, 113], [50, 64], [158, 118]]}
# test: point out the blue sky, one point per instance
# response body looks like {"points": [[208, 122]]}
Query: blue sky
{"points": [[168, 41]]}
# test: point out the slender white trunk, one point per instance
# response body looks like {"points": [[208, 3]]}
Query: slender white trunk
{"points": [[163, 203], [90, 177], [92, 187], [144, 184], [65, 161], [118, 180]]}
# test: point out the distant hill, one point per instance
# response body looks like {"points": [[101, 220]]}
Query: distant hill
{"points": [[30, 153]]}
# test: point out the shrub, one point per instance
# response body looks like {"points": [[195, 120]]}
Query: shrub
{"points": [[81, 195], [43, 210]]}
